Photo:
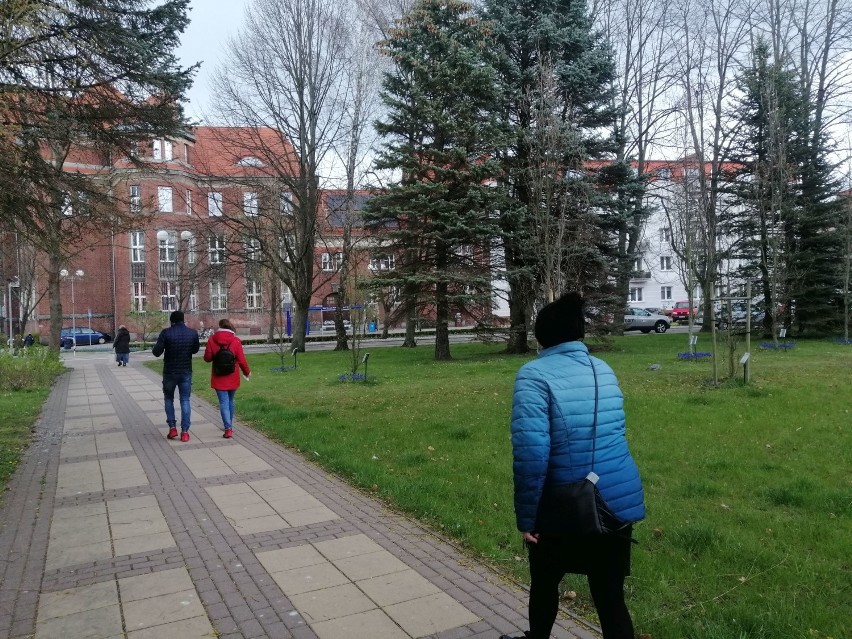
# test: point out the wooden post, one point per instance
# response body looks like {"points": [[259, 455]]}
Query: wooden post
{"points": [[746, 365]]}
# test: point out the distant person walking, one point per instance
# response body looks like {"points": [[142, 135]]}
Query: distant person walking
{"points": [[568, 417], [225, 352], [121, 346], [179, 343]]}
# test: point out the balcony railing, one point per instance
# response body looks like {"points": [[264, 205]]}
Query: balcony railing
{"points": [[640, 275]]}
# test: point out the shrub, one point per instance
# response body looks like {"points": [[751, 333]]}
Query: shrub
{"points": [[29, 369]]}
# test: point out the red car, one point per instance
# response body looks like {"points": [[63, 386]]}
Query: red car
{"points": [[680, 312]]}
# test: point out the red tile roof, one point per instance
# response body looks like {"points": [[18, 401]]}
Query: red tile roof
{"points": [[227, 152]]}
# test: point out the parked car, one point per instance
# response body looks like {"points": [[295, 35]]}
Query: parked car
{"points": [[638, 319], [82, 336], [656, 310], [680, 312]]}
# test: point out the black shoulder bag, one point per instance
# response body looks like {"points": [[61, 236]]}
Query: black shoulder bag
{"points": [[577, 509]]}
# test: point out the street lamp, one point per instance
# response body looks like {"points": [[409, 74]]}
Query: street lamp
{"points": [[13, 282], [72, 276]]}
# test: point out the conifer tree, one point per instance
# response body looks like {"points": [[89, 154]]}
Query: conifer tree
{"points": [[556, 38], [439, 134]]}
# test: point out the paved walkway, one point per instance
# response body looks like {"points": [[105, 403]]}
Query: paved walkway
{"points": [[110, 530]]}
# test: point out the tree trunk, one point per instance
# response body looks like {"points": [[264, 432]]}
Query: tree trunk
{"points": [[54, 293], [410, 321], [300, 323], [442, 330], [519, 305]]}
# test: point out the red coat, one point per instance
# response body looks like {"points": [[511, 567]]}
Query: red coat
{"points": [[224, 337]]}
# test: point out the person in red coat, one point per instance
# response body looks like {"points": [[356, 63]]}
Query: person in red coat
{"points": [[226, 385]]}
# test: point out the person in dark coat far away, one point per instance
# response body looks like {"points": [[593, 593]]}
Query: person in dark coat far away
{"points": [[121, 346]]}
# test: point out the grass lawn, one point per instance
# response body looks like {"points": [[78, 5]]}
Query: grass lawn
{"points": [[20, 409], [749, 489]]}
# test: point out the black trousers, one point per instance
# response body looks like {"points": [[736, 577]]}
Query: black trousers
{"points": [[602, 560]]}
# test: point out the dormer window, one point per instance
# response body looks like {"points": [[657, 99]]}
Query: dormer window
{"points": [[250, 160]]}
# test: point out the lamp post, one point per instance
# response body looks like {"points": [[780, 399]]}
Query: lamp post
{"points": [[13, 282], [72, 276]]}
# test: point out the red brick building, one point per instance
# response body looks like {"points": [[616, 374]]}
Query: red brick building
{"points": [[196, 199]]}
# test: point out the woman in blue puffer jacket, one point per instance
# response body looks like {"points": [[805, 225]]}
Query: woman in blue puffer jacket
{"points": [[553, 421]]}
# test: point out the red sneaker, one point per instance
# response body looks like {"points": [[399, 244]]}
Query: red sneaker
{"points": [[172, 433], [184, 436], [229, 432]]}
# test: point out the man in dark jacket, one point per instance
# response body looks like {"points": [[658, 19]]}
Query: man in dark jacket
{"points": [[179, 343]]}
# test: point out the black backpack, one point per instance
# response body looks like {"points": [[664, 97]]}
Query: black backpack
{"points": [[224, 361]]}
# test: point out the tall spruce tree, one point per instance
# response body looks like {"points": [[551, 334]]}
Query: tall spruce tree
{"points": [[765, 177], [535, 36], [440, 134]]}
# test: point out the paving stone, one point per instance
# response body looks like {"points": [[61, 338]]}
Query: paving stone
{"points": [[99, 623], [74, 600], [429, 615], [364, 625]]}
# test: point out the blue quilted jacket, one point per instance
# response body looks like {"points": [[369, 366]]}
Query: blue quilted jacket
{"points": [[552, 422], [179, 343]]}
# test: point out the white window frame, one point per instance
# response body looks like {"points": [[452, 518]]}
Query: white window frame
{"points": [[188, 199], [214, 204], [168, 295], [253, 294], [253, 249], [636, 294], [193, 297], [666, 234], [157, 149], [135, 198], [285, 203], [216, 249], [331, 262], [666, 293], [137, 302], [383, 262], [218, 296], [250, 203], [168, 248], [665, 262], [638, 263], [164, 199], [137, 247], [191, 250], [168, 150]]}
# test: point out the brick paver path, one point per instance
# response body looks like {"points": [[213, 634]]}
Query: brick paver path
{"points": [[110, 530]]}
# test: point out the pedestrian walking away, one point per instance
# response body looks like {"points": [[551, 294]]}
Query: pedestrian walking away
{"points": [[225, 352], [179, 343], [121, 346], [567, 417]]}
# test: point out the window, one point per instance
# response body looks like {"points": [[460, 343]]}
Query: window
{"points": [[692, 173], [188, 198], [665, 263], [252, 294], [286, 203], [193, 297], [250, 204], [332, 261], [167, 150], [168, 297], [157, 149], [216, 249], [138, 302], [666, 234], [382, 262], [635, 294], [637, 264], [67, 206], [253, 249], [135, 198], [214, 204], [164, 199], [218, 296], [191, 252], [286, 242], [665, 173], [168, 248], [250, 160], [137, 246], [665, 292]]}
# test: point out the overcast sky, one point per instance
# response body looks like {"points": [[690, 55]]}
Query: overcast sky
{"points": [[212, 22]]}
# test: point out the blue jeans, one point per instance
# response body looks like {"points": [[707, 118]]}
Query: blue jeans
{"points": [[122, 358], [226, 406], [183, 381]]}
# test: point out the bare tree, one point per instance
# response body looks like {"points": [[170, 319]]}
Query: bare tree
{"points": [[286, 72]]}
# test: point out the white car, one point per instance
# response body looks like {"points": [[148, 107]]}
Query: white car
{"points": [[638, 319]]}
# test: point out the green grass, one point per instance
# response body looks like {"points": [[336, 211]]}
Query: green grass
{"points": [[25, 382], [749, 489]]}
